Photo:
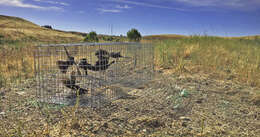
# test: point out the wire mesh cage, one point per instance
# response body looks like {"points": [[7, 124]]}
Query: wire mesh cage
{"points": [[90, 71]]}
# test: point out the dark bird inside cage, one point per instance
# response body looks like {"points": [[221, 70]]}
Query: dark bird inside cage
{"points": [[105, 54], [71, 84], [101, 64], [103, 61], [83, 64], [64, 65], [116, 55], [102, 54]]}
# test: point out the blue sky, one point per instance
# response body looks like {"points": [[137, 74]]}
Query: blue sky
{"points": [[188, 17]]}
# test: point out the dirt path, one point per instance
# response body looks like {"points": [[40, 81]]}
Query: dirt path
{"points": [[190, 105]]}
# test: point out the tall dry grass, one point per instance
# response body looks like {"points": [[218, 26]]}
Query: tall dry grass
{"points": [[236, 59], [16, 63]]}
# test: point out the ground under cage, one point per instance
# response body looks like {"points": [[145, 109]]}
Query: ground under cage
{"points": [[93, 72]]}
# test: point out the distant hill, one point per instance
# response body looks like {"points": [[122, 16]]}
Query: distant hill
{"points": [[15, 28], [174, 36], [249, 37]]}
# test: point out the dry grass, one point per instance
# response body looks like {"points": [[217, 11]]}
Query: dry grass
{"points": [[18, 37], [16, 64], [28, 118], [234, 59], [150, 115], [174, 36], [17, 29], [231, 60]]}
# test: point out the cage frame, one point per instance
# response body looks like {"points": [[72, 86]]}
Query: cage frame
{"points": [[98, 45]]}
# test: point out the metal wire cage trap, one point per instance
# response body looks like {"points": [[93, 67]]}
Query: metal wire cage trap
{"points": [[90, 70]]}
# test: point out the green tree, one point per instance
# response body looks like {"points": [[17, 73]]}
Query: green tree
{"points": [[91, 37], [134, 35]]}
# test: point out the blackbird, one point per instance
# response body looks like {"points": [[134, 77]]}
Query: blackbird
{"points": [[64, 65], [71, 84], [101, 64], [83, 64], [101, 53], [116, 55]]}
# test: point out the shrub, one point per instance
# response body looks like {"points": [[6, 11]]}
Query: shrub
{"points": [[1, 39], [134, 35], [110, 38], [91, 37], [47, 26]]}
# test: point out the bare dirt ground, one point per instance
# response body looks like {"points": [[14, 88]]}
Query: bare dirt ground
{"points": [[169, 105]]}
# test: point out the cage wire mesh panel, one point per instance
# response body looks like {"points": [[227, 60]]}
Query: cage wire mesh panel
{"points": [[92, 70]]}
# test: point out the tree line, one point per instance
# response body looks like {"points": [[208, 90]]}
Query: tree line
{"points": [[133, 35]]}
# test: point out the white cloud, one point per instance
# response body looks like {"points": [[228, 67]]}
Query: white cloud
{"points": [[81, 12], [185, 4], [52, 2], [21, 4], [123, 7], [109, 10], [147, 4], [221, 3]]}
